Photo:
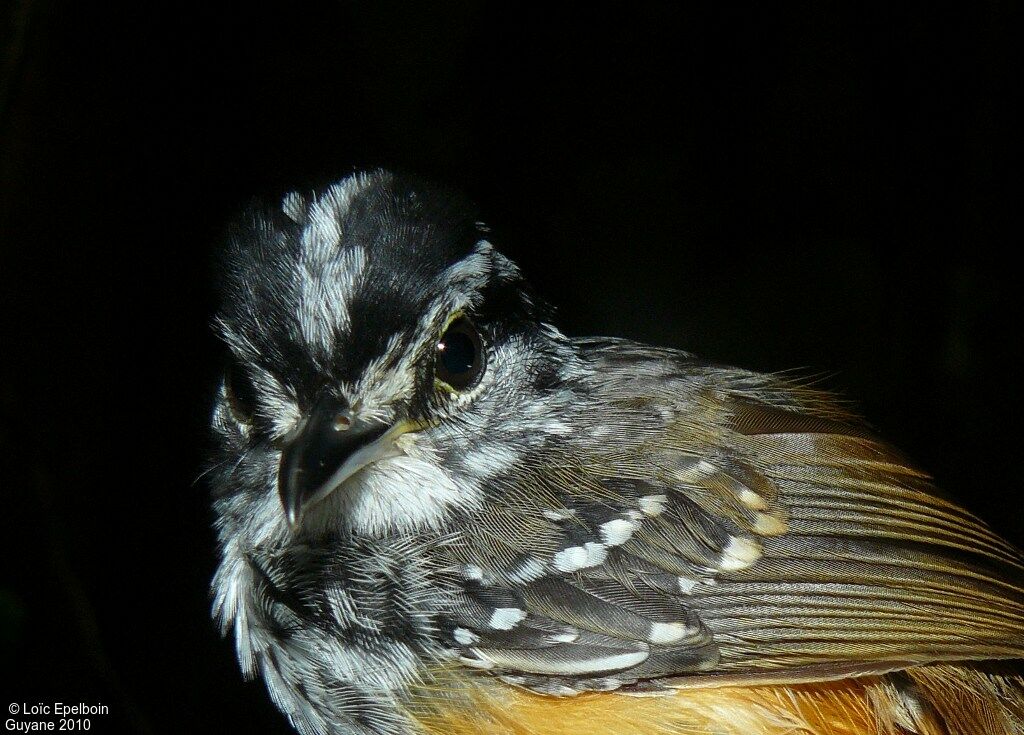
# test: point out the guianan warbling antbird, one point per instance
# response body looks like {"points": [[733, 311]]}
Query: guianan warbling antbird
{"points": [[437, 513]]}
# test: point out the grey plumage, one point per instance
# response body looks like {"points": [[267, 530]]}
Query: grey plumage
{"points": [[588, 514]]}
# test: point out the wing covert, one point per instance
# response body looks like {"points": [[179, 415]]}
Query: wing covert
{"points": [[727, 524]]}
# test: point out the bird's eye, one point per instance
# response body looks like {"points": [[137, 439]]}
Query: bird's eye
{"points": [[240, 392], [460, 360]]}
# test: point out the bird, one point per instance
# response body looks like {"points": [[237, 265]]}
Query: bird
{"points": [[438, 513]]}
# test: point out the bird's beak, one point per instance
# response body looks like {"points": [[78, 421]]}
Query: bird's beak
{"points": [[331, 445]]}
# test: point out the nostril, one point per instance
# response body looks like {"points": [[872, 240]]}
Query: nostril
{"points": [[342, 422]]}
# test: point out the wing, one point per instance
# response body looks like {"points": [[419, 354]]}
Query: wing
{"points": [[714, 522]]}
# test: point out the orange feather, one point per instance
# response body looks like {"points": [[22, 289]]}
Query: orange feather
{"points": [[931, 700]]}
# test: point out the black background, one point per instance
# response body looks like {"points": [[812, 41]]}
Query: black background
{"points": [[805, 185]]}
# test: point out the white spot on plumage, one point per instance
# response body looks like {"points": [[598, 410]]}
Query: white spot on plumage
{"points": [[686, 584], [768, 525], [568, 666], [739, 554], [664, 633], [571, 559], [558, 514], [473, 572], [752, 500], [596, 553], [653, 505], [527, 570], [565, 637], [617, 532], [476, 663], [574, 558], [465, 637], [506, 618]]}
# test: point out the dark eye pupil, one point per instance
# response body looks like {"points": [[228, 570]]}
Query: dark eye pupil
{"points": [[240, 391], [459, 361], [457, 353]]}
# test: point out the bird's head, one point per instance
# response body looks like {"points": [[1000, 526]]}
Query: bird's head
{"points": [[384, 361]]}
